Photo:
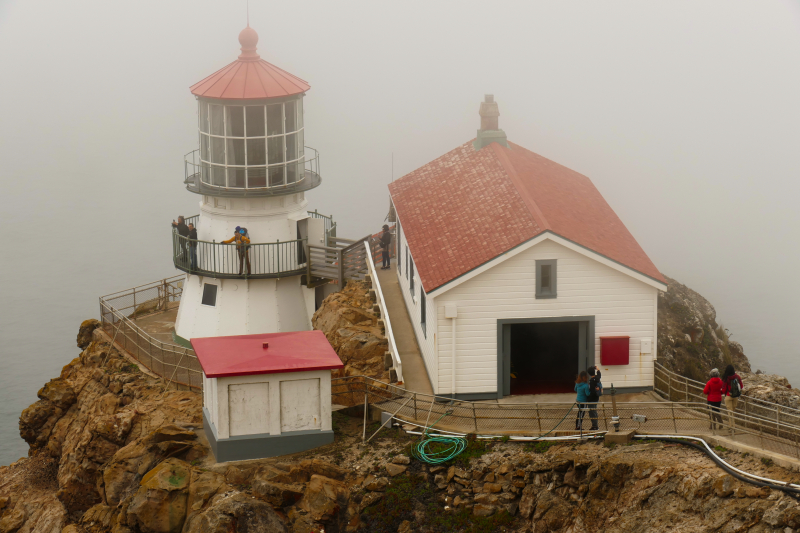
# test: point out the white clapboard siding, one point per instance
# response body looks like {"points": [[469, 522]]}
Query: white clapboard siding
{"points": [[425, 340], [620, 304]]}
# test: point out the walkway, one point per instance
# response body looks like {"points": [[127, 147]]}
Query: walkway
{"points": [[415, 376], [160, 325]]}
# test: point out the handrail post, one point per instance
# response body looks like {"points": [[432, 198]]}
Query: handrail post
{"points": [[135, 314]]}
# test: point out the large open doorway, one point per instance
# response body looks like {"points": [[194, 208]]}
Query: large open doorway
{"points": [[542, 356]]}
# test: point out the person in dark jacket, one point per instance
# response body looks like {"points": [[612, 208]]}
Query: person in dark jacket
{"points": [[192, 246], [386, 240], [595, 390], [731, 397], [183, 230], [713, 392], [582, 388]]}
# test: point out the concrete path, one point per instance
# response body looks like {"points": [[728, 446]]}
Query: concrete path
{"points": [[160, 325], [415, 377]]}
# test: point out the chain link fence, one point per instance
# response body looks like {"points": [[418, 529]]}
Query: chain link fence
{"points": [[119, 313], [559, 419]]}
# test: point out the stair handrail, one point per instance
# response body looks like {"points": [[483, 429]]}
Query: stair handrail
{"points": [[376, 286]]}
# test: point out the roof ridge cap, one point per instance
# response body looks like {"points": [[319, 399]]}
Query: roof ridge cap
{"points": [[511, 172]]}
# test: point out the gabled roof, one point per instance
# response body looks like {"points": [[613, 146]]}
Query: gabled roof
{"points": [[249, 77], [245, 355], [469, 206]]}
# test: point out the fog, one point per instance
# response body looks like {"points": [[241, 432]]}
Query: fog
{"points": [[685, 115]]}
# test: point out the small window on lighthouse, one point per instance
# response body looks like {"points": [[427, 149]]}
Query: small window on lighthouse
{"points": [[209, 294]]}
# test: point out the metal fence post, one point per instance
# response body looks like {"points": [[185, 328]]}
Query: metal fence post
{"points": [[538, 419], [669, 388], [474, 417], [340, 272], [674, 421], [415, 406], [134, 304], [686, 386]]}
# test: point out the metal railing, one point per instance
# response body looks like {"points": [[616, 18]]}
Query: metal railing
{"points": [[119, 313], [489, 418], [218, 260], [384, 310], [674, 387], [329, 225], [200, 176], [344, 260]]}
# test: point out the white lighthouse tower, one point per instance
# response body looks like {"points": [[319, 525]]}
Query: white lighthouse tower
{"points": [[251, 171]]}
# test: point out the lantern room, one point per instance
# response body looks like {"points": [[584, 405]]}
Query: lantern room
{"points": [[250, 127]]}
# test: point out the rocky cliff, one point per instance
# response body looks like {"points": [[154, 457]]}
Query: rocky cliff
{"points": [[352, 325], [111, 452], [690, 341]]}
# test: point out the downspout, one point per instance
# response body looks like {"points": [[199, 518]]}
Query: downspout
{"points": [[453, 348], [451, 312]]}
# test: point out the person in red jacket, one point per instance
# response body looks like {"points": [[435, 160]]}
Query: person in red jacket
{"points": [[731, 390], [713, 392]]}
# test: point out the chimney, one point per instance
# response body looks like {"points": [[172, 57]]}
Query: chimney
{"points": [[490, 131]]}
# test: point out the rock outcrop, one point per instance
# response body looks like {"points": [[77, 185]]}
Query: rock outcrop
{"points": [[690, 342], [352, 326]]}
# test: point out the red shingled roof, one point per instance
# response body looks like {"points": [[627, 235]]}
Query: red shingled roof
{"points": [[249, 77], [469, 206]]}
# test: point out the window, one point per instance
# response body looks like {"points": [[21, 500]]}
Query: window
{"points": [[546, 276], [423, 315], [209, 294], [411, 275], [254, 146], [406, 262]]}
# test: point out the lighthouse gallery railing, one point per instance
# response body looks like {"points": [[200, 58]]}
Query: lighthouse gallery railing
{"points": [[254, 261]]}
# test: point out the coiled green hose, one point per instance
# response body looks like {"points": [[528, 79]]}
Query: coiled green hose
{"points": [[422, 451]]}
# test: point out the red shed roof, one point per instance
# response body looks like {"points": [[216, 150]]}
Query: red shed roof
{"points": [[245, 355], [469, 206], [249, 77]]}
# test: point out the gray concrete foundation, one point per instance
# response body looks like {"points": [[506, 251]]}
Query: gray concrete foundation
{"points": [[245, 447]]}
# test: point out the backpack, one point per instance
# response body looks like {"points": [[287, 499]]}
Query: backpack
{"points": [[734, 391], [595, 387]]}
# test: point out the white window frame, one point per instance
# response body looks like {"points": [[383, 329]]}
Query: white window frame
{"points": [[299, 121]]}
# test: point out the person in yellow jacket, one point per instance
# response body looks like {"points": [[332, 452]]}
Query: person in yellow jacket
{"points": [[242, 247]]}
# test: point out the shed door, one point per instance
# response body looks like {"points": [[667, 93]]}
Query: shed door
{"points": [[248, 408]]}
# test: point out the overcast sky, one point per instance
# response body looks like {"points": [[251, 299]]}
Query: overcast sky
{"points": [[683, 113]]}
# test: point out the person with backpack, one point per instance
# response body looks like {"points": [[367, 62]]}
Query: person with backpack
{"points": [[732, 387], [385, 240], [713, 392], [242, 248], [582, 388], [595, 391]]}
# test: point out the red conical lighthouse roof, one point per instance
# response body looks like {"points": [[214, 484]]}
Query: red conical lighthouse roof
{"points": [[249, 77]]}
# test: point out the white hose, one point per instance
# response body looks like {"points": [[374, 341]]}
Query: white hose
{"points": [[742, 472]]}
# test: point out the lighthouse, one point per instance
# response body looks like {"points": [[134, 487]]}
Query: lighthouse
{"points": [[245, 271]]}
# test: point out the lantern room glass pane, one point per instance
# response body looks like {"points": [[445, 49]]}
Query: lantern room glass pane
{"points": [[255, 120], [291, 147], [276, 176], [275, 119], [204, 147], [217, 122], [236, 177], [300, 144], [203, 117], [217, 150], [256, 177], [256, 152], [218, 176], [300, 113], [291, 173], [236, 151], [291, 116], [235, 122], [275, 150]]}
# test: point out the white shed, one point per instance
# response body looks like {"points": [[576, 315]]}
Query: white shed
{"points": [[517, 274], [266, 395]]}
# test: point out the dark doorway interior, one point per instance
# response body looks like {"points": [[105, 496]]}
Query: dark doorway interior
{"points": [[544, 357]]}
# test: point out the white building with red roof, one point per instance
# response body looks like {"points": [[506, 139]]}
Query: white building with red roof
{"points": [[518, 274]]}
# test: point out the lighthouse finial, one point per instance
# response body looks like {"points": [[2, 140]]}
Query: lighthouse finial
{"points": [[248, 38]]}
